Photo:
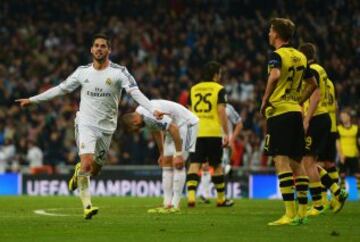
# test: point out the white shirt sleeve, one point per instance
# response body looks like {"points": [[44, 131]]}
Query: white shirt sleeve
{"points": [[131, 87], [141, 99], [69, 85], [151, 122], [128, 81], [233, 116], [154, 124]]}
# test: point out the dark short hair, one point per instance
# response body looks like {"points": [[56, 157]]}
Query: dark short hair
{"points": [[126, 120], [284, 27], [346, 110], [209, 70], [101, 36], [309, 50]]}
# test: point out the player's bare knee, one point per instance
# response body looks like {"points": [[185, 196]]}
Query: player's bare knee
{"points": [[86, 161], [218, 170], [85, 168], [205, 167], [194, 168], [329, 164], [309, 161]]}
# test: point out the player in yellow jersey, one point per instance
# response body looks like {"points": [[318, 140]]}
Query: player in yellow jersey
{"points": [[347, 144], [207, 102], [317, 125], [281, 102], [329, 159]]}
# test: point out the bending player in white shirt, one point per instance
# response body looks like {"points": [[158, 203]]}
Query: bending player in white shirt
{"points": [[175, 136], [101, 83], [234, 119]]}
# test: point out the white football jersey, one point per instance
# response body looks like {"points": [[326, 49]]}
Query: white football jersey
{"points": [[233, 117], [100, 94], [176, 113]]}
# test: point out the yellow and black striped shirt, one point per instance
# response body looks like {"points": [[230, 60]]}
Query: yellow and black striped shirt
{"points": [[293, 68]]}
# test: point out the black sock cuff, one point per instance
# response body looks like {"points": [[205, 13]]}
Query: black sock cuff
{"points": [[302, 200], [288, 183], [302, 180], [301, 188], [285, 175], [193, 177], [218, 179], [288, 196], [315, 190], [316, 197]]}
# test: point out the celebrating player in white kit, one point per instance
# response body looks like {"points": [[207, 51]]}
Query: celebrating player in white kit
{"points": [[175, 136], [101, 84]]}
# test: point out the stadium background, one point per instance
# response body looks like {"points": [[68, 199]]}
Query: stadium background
{"points": [[163, 44]]}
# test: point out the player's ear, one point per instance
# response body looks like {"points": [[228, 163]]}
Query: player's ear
{"points": [[276, 35], [136, 119]]}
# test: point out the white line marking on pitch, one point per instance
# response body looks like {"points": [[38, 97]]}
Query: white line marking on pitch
{"points": [[44, 212]]}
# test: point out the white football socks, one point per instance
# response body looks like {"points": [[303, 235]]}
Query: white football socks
{"points": [[167, 182], [206, 183], [178, 187], [84, 190]]}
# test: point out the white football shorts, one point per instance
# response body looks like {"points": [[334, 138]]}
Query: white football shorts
{"points": [[89, 140], [188, 134]]}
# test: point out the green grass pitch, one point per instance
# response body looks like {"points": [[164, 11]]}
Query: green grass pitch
{"points": [[126, 219]]}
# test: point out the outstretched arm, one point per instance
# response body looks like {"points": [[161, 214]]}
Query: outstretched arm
{"points": [[132, 89], [47, 95], [143, 101], [69, 85]]}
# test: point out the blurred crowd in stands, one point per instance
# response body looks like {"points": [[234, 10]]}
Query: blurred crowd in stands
{"points": [[163, 44]]}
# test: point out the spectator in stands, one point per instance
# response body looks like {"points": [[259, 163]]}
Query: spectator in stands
{"points": [[34, 157]]}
